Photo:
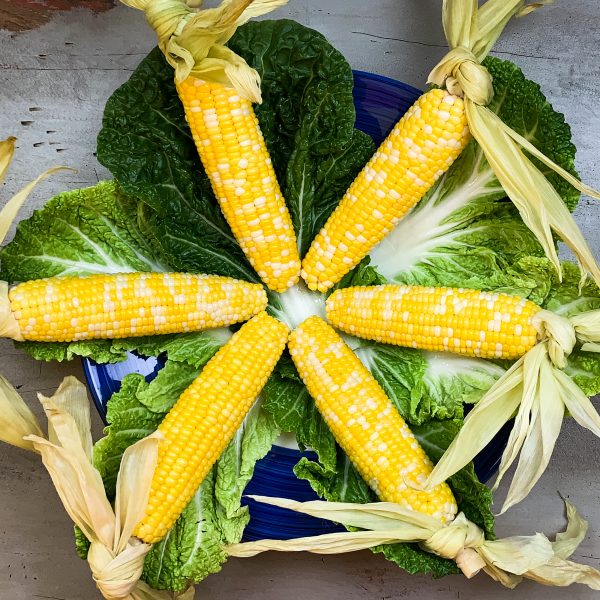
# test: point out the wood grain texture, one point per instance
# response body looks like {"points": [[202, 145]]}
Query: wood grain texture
{"points": [[21, 15], [54, 82]]}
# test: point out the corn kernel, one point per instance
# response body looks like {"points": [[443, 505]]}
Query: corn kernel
{"points": [[467, 322], [234, 155], [395, 179]]}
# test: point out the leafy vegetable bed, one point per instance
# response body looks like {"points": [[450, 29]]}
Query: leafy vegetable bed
{"points": [[160, 214]]}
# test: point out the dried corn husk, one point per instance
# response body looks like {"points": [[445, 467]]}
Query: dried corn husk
{"points": [[116, 558], [11, 208], [194, 40], [539, 392], [508, 560], [471, 32]]}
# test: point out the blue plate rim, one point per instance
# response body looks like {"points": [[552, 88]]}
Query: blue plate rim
{"points": [[388, 80]]}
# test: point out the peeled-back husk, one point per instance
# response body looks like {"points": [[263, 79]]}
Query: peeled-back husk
{"points": [[16, 419], [194, 40], [471, 32], [11, 208], [508, 560], [116, 558], [9, 327], [539, 392]]}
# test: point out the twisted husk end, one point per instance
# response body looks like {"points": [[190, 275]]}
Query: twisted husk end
{"points": [[507, 560], [194, 40], [469, 562], [9, 326]]}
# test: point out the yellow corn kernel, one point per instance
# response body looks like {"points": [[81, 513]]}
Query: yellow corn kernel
{"points": [[364, 421], [420, 148], [64, 309], [234, 155], [467, 322], [202, 422]]}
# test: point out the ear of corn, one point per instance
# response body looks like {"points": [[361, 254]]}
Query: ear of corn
{"points": [[63, 309], [420, 148], [365, 422], [467, 322], [234, 155], [202, 422]]}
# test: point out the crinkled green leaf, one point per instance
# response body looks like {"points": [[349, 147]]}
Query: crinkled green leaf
{"points": [[307, 117], [584, 369], [427, 385], [169, 384], [193, 548], [293, 410], [101, 351], [520, 103], [194, 348], [129, 421], [342, 484], [81, 232], [82, 544], [250, 443], [566, 299]]}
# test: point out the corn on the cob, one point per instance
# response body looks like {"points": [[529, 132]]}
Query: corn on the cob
{"points": [[217, 88], [419, 149], [200, 425], [234, 155], [364, 421], [427, 140], [62, 309], [467, 322]]}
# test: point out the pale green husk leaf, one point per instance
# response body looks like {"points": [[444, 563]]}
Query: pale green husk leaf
{"points": [[193, 39], [540, 392], [471, 32], [507, 560], [116, 558]]}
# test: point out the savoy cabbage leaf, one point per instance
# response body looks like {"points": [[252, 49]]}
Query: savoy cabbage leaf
{"points": [[465, 232]]}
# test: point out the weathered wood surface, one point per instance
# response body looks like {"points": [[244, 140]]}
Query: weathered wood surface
{"points": [[54, 81]]}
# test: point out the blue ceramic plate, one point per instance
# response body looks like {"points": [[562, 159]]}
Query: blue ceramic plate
{"points": [[379, 102]]}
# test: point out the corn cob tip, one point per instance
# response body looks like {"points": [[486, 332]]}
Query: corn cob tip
{"points": [[265, 319], [310, 321], [364, 421], [113, 306], [313, 282], [205, 417]]}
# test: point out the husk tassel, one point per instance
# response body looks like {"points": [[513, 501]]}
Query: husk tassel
{"points": [[508, 560]]}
